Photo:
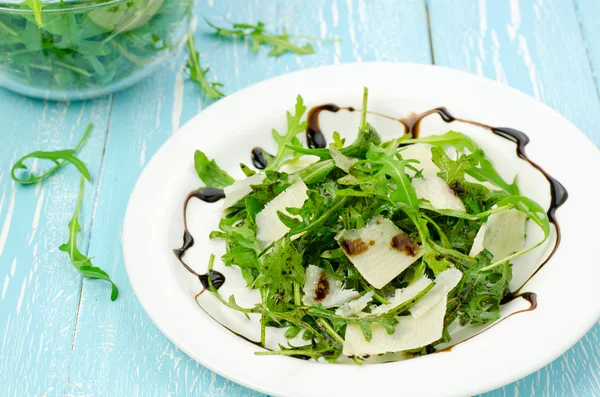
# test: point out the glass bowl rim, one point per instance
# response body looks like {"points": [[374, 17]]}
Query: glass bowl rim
{"points": [[73, 6]]}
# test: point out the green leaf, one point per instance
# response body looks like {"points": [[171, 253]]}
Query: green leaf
{"points": [[279, 269], [294, 127], [387, 162], [36, 6], [82, 263], [198, 75], [58, 157], [342, 162], [210, 173], [485, 172], [476, 299], [279, 43]]}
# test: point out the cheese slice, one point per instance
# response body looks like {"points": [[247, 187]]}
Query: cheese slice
{"points": [[402, 295], [435, 190], [299, 164], [269, 226], [240, 189], [355, 306], [502, 234], [411, 333], [444, 283], [422, 153], [380, 251], [321, 287]]}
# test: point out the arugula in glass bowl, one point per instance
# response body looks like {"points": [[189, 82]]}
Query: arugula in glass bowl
{"points": [[81, 49], [370, 248]]}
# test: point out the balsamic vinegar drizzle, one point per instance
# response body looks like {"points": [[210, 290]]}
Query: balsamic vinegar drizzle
{"points": [[316, 140], [217, 279], [208, 195]]}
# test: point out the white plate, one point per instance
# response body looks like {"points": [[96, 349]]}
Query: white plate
{"points": [[568, 296]]}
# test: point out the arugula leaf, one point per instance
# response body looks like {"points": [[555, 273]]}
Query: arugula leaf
{"points": [[365, 322], [342, 162], [451, 138], [484, 173], [279, 43], [476, 299], [36, 6], [210, 173], [279, 269], [58, 157], [198, 75], [294, 127], [82, 263], [387, 162]]}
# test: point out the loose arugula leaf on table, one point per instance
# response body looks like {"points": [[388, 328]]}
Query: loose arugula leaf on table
{"points": [[58, 157], [210, 173], [198, 75], [279, 43], [82, 263]]}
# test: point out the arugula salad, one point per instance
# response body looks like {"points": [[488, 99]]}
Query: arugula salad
{"points": [[371, 247]]}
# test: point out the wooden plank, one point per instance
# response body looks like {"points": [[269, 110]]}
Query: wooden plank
{"points": [[39, 288], [588, 12], [118, 351], [526, 46]]}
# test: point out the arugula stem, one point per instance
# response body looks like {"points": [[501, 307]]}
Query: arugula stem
{"points": [[309, 353], [325, 325], [378, 297], [363, 116], [73, 68], [297, 296], [263, 318], [462, 258]]}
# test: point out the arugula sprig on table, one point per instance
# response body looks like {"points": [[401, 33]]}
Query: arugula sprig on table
{"points": [[82, 263], [198, 75], [348, 187], [279, 43], [58, 157]]}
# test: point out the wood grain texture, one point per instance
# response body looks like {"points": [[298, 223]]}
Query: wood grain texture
{"points": [[588, 12], [525, 45], [39, 288]]}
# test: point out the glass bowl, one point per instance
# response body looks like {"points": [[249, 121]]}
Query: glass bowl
{"points": [[87, 48]]}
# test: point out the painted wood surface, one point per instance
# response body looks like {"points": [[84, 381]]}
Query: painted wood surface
{"points": [[62, 336]]}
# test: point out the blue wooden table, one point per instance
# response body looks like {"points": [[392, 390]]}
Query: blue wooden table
{"points": [[61, 335]]}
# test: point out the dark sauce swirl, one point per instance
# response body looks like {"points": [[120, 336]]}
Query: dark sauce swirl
{"points": [[208, 195]]}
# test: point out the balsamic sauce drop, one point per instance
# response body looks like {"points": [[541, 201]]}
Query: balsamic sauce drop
{"points": [[259, 158], [314, 136]]}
